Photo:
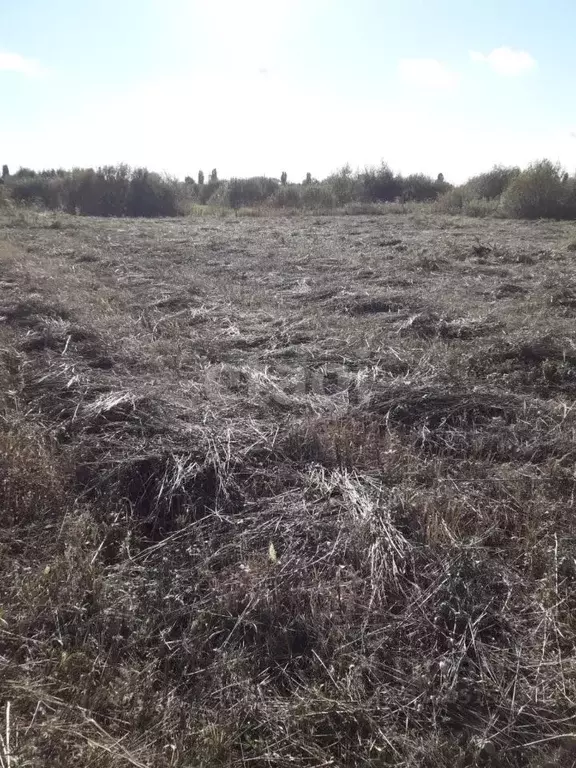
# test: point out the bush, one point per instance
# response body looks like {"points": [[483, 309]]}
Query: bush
{"points": [[288, 197], [492, 184], [451, 202], [109, 191], [379, 185], [344, 185], [246, 192], [25, 173], [420, 188], [35, 190], [318, 196], [150, 195], [541, 192], [480, 207], [207, 191]]}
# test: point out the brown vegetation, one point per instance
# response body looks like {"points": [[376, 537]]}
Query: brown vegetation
{"points": [[287, 491]]}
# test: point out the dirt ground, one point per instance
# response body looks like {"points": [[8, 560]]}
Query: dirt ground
{"points": [[288, 490]]}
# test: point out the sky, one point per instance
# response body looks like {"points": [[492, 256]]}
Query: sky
{"points": [[255, 87]]}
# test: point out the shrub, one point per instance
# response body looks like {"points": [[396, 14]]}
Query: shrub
{"points": [[367, 209], [344, 185], [379, 185], [458, 202], [540, 192], [246, 192], [420, 188], [207, 191], [109, 191], [79, 192], [318, 196], [36, 191], [492, 184], [288, 197], [480, 208], [451, 201], [151, 195], [25, 173]]}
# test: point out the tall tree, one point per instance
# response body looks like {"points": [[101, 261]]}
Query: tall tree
{"points": [[200, 178]]}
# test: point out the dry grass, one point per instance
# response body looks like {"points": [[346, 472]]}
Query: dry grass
{"points": [[287, 491]]}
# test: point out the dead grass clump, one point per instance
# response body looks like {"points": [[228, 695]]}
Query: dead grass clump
{"points": [[468, 328], [545, 364], [408, 407], [163, 491], [428, 324], [340, 442], [534, 351], [427, 263], [32, 312], [65, 338], [122, 412], [509, 289], [479, 425], [32, 489], [542, 349], [74, 401], [564, 297], [376, 305]]}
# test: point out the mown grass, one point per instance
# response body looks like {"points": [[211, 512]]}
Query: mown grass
{"points": [[287, 491]]}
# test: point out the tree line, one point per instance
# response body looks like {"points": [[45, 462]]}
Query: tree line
{"points": [[542, 190]]}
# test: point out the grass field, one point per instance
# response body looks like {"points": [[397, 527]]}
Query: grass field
{"points": [[287, 491]]}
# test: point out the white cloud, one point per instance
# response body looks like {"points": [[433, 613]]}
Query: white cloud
{"points": [[506, 61], [428, 73], [14, 62]]}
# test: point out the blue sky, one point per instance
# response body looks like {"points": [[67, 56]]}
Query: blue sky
{"points": [[259, 86]]}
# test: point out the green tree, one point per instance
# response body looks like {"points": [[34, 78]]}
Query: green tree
{"points": [[200, 178], [308, 179], [214, 176], [283, 178], [5, 172]]}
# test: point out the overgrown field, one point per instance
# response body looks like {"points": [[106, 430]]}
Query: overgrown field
{"points": [[287, 491]]}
